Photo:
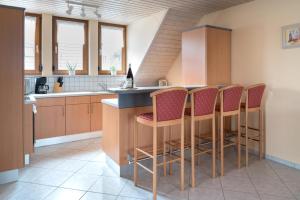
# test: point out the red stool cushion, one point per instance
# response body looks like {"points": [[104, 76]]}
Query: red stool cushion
{"points": [[147, 116]]}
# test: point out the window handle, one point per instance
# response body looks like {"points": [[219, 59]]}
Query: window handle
{"points": [[56, 49], [37, 49]]}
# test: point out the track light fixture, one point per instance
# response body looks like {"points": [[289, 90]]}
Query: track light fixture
{"points": [[83, 5], [82, 14], [97, 13], [69, 10]]}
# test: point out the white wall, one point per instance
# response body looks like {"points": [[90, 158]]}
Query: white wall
{"points": [[93, 47], [47, 44], [257, 56], [140, 35]]}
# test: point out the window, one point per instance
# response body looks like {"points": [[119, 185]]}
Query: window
{"points": [[32, 44], [70, 45], [112, 48]]}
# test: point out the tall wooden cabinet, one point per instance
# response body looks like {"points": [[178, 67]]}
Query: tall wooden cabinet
{"points": [[11, 87], [206, 56]]}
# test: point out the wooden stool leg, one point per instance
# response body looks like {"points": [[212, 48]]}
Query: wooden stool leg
{"points": [[165, 150], [246, 137], [135, 141], [182, 156], [218, 135], [222, 144], [239, 141], [154, 179], [261, 135], [193, 151], [213, 148], [170, 150]]}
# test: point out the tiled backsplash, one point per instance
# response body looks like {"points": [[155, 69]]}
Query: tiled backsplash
{"points": [[78, 83]]}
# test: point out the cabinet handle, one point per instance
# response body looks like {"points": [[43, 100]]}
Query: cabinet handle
{"points": [[63, 111], [92, 108]]}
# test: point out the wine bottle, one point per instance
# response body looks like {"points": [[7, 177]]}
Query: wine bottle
{"points": [[129, 77]]}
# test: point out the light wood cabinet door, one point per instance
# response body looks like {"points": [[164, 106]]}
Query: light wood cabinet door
{"points": [[50, 122], [96, 116], [78, 119]]}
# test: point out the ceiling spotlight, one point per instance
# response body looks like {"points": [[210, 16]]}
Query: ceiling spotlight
{"points": [[82, 14], [97, 13], [69, 10]]}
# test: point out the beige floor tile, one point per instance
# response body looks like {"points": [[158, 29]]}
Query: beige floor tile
{"points": [[31, 191], [47, 162], [232, 195], [97, 196], [10, 189], [80, 181], [130, 190], [271, 186], [30, 174], [235, 183], [65, 194], [272, 197], [95, 168], [53, 178], [71, 165], [108, 185], [205, 194]]}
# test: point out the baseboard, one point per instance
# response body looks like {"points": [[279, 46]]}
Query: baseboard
{"points": [[67, 138], [284, 162], [9, 176], [276, 159]]}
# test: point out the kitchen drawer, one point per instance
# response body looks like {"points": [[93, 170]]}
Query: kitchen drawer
{"points": [[97, 98], [51, 102], [78, 100]]}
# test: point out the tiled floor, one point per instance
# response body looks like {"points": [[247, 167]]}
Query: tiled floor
{"points": [[77, 170]]}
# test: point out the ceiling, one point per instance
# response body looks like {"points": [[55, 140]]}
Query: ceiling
{"points": [[123, 11]]}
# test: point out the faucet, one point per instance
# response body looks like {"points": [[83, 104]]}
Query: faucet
{"points": [[103, 86]]}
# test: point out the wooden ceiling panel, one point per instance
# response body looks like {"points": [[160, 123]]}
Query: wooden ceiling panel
{"points": [[126, 11]]}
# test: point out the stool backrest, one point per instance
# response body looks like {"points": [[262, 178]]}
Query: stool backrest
{"points": [[231, 98], [254, 95], [169, 104], [204, 100]]}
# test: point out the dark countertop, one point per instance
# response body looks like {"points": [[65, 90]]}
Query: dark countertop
{"points": [[148, 89]]}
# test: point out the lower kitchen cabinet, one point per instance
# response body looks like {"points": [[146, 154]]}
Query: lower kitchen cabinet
{"points": [[96, 116], [78, 118], [50, 122]]}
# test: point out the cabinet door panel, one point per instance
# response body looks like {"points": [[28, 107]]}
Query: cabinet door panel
{"points": [[78, 118], [50, 122], [96, 116]]}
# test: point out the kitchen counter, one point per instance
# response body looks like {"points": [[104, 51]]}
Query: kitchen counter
{"points": [[140, 96], [148, 89], [111, 102], [30, 99]]}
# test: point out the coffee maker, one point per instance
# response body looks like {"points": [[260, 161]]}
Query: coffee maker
{"points": [[40, 85]]}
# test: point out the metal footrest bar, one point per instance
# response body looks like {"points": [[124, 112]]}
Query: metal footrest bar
{"points": [[144, 167]]}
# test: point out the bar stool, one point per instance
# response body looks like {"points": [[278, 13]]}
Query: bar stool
{"points": [[203, 103], [230, 103], [168, 110], [253, 104]]}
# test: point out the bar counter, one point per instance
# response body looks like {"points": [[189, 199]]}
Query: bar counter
{"points": [[118, 124]]}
